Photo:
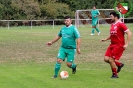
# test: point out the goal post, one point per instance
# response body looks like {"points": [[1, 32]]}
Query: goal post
{"points": [[83, 17]]}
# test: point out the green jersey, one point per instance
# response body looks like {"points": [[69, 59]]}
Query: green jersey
{"points": [[95, 13], [69, 36], [120, 14]]}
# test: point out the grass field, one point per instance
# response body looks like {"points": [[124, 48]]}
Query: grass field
{"points": [[26, 61]]}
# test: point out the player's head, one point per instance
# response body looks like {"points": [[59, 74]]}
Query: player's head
{"points": [[67, 20], [114, 16], [94, 7]]}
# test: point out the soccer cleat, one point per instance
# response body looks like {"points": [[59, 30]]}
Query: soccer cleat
{"points": [[91, 34], [119, 68], [99, 33], [54, 76], [74, 70], [114, 76]]}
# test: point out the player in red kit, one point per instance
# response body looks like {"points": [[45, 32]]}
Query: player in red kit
{"points": [[118, 43]]}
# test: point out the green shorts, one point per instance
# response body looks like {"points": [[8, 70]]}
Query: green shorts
{"points": [[94, 22], [69, 53]]}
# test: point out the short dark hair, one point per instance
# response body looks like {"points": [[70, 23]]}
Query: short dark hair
{"points": [[67, 17], [115, 14], [94, 5]]}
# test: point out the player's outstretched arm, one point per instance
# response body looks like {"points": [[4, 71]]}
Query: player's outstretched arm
{"points": [[78, 45], [53, 41], [103, 40], [129, 34]]}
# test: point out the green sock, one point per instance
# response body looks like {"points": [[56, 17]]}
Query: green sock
{"points": [[93, 30], [57, 68], [97, 30], [73, 65]]}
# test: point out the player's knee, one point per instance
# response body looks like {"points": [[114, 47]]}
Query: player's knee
{"points": [[106, 59], [111, 60], [59, 60], [69, 64]]}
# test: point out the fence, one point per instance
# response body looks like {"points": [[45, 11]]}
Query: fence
{"points": [[51, 23]]}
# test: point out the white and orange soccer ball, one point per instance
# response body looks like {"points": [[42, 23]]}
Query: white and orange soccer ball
{"points": [[64, 75]]}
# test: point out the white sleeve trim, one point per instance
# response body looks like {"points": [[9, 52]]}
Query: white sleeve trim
{"points": [[126, 30]]}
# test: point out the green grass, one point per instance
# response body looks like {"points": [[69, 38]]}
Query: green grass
{"points": [[26, 61]]}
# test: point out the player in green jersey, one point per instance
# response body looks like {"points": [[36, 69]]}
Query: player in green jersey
{"points": [[94, 14], [70, 44]]}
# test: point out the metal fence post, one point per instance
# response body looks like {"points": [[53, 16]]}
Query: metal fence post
{"points": [[8, 25], [53, 24], [31, 25]]}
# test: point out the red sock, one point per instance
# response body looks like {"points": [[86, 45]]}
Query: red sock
{"points": [[114, 71], [117, 63]]}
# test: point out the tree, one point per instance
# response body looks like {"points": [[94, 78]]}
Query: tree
{"points": [[88, 4], [42, 2], [49, 9], [55, 10], [27, 8], [6, 10]]}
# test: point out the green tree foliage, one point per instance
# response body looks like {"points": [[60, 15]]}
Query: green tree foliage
{"points": [[48, 9], [6, 10], [88, 4], [55, 10], [27, 8], [41, 2]]}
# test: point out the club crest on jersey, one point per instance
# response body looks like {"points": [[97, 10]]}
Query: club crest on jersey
{"points": [[114, 31], [115, 27], [66, 35]]}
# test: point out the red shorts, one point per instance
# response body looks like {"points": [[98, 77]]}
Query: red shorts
{"points": [[114, 51]]}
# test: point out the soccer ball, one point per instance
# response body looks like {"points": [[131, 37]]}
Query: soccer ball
{"points": [[64, 75]]}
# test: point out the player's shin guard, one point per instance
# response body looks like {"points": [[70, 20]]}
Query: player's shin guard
{"points": [[57, 68]]}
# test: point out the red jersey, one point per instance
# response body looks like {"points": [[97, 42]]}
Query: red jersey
{"points": [[117, 32]]}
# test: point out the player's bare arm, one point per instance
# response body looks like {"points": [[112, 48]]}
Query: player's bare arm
{"points": [[78, 45], [103, 40], [129, 34], [53, 41], [90, 15]]}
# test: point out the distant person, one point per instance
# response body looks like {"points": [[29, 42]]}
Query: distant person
{"points": [[70, 44], [118, 43], [94, 14], [118, 10]]}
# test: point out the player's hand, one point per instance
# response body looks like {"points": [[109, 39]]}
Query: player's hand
{"points": [[125, 46], [49, 43], [102, 40], [78, 51]]}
